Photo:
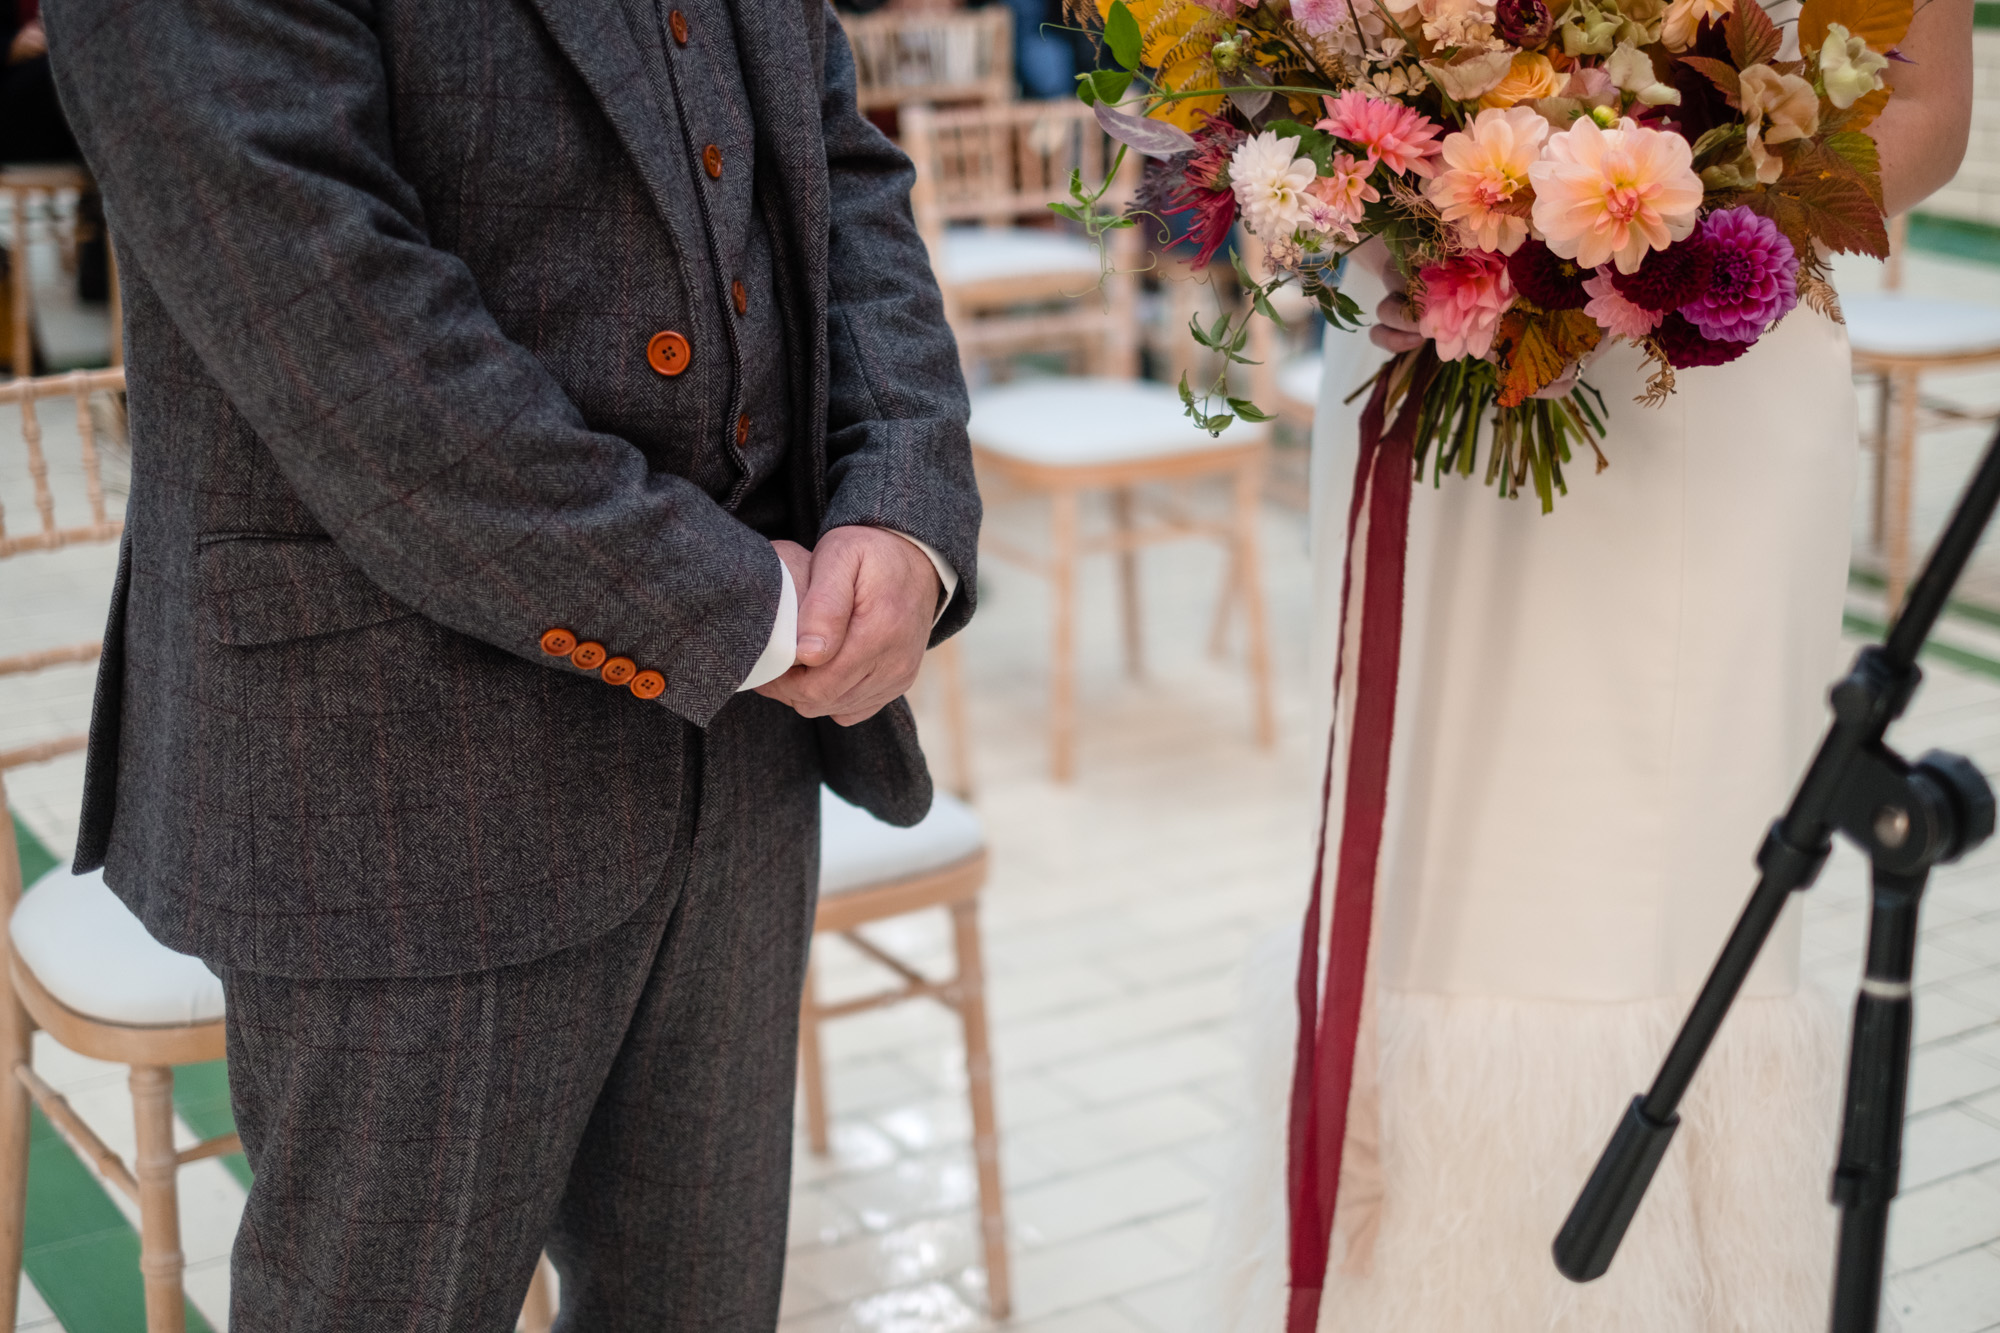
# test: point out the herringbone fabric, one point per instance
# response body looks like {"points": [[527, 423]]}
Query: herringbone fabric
{"points": [[626, 1102], [391, 268]]}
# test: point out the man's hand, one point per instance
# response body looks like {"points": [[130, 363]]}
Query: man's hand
{"points": [[864, 619]]}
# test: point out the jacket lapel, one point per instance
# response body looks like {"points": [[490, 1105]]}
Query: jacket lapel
{"points": [[620, 65]]}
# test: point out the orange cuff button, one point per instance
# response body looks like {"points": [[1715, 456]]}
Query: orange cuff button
{"points": [[742, 430], [649, 684], [711, 161], [558, 642], [668, 353], [620, 670], [589, 656], [678, 22], [741, 296]]}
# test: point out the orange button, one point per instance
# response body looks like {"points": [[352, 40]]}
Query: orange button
{"points": [[589, 656], [711, 160], [649, 684], [741, 295], [668, 353], [620, 670], [742, 430], [558, 642], [678, 22]]}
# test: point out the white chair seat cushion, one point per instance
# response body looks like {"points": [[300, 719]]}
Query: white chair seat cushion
{"points": [[993, 254], [91, 953], [1892, 324], [1299, 380], [1081, 421], [857, 850]]}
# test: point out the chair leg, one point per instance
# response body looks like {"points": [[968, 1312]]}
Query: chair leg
{"points": [[1128, 583], [812, 1066], [971, 1005], [1879, 515], [155, 1166], [1899, 486], [1225, 604], [1249, 494], [21, 316], [16, 1030], [951, 692], [1062, 644], [538, 1312]]}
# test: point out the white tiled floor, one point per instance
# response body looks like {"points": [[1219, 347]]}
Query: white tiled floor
{"points": [[1119, 917]]}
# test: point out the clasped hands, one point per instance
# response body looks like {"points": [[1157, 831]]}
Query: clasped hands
{"points": [[867, 600]]}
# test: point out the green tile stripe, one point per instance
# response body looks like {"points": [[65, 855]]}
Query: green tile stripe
{"points": [[1986, 14], [1959, 607], [1960, 238], [79, 1250], [1868, 627]]}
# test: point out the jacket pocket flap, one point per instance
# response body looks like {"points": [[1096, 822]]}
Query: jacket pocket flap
{"points": [[258, 590]]}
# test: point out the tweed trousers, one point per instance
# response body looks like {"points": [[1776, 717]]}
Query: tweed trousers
{"points": [[625, 1102]]}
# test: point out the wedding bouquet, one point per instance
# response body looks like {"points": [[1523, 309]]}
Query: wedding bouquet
{"points": [[1547, 176]]}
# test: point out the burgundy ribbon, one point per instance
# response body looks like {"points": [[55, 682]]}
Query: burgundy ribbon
{"points": [[1323, 1070]]}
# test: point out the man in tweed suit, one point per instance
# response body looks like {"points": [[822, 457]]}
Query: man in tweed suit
{"points": [[492, 364]]}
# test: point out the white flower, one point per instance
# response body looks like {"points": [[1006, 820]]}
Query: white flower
{"points": [[1271, 181], [1851, 71], [1632, 70]]}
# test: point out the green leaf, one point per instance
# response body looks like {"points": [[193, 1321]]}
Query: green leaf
{"points": [[1121, 34], [1248, 410], [1109, 85], [1086, 90], [1070, 211], [1858, 151], [1315, 144], [1719, 137]]}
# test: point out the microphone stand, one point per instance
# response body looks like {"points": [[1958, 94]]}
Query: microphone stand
{"points": [[1906, 818]]}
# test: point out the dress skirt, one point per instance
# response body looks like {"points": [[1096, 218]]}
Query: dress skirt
{"points": [[1600, 711]]}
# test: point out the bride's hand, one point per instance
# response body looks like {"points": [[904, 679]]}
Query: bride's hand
{"points": [[1395, 328]]}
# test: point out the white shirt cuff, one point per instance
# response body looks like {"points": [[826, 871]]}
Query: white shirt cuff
{"points": [[783, 649], [946, 574]]}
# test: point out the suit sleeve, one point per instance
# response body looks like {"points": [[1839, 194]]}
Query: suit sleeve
{"points": [[897, 455], [244, 150]]}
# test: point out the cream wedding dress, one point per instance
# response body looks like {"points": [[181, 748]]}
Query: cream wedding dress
{"points": [[1600, 711]]}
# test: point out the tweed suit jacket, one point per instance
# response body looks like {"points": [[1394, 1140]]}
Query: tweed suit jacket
{"points": [[390, 269]]}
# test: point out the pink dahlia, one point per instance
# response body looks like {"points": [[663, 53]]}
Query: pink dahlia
{"points": [[1347, 190], [1483, 189], [1609, 196], [1400, 137], [1614, 313], [1462, 302], [1753, 277]]}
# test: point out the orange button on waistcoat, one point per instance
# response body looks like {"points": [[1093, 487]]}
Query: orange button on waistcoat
{"points": [[668, 353], [649, 684], [742, 430], [678, 22], [711, 160], [620, 670], [589, 656], [741, 295], [558, 642]]}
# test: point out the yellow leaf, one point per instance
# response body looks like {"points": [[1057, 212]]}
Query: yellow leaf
{"points": [[1880, 23]]}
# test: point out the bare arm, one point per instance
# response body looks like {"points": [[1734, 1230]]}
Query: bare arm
{"points": [[1922, 132]]}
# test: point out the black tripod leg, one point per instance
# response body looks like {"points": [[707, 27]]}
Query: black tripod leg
{"points": [[1878, 1076]]}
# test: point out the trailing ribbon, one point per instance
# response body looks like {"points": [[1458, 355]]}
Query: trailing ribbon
{"points": [[1323, 1069]]}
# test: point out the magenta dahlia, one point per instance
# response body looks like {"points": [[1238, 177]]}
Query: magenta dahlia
{"points": [[1753, 277]]}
